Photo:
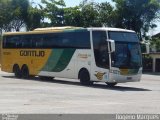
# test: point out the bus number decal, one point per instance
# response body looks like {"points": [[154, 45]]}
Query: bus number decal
{"points": [[6, 53]]}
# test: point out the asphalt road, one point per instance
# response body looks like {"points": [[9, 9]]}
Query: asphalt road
{"points": [[62, 96]]}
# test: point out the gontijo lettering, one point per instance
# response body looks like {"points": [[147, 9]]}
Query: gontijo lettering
{"points": [[33, 53]]}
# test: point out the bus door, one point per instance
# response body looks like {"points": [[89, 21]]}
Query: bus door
{"points": [[100, 64]]}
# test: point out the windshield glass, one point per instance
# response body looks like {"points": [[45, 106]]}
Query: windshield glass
{"points": [[127, 53], [124, 36]]}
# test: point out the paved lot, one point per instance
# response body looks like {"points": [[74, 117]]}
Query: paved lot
{"points": [[59, 96]]}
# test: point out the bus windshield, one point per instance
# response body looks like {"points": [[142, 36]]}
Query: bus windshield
{"points": [[127, 53]]}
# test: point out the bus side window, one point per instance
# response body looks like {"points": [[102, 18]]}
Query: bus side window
{"points": [[82, 39], [35, 41], [38, 40], [26, 42], [53, 40], [13, 42], [67, 40], [18, 42], [6, 42]]}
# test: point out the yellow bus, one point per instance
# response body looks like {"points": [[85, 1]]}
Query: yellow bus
{"points": [[109, 55]]}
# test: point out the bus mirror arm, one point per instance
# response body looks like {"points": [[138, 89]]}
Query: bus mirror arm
{"points": [[111, 45]]}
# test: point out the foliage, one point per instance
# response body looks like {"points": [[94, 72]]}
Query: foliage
{"points": [[90, 14], [21, 7], [20, 13], [137, 15], [54, 11], [15, 14], [73, 16], [155, 42], [106, 14], [5, 14], [34, 18]]}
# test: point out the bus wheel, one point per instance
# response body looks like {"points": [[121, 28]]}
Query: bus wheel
{"points": [[84, 77], [17, 71], [111, 84], [25, 72]]}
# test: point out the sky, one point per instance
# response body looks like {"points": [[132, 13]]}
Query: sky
{"points": [[76, 2], [71, 3]]}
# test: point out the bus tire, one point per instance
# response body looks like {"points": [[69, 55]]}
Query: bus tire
{"points": [[25, 72], [111, 84], [84, 77], [17, 71]]}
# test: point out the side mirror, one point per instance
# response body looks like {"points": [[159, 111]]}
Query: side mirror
{"points": [[111, 45]]}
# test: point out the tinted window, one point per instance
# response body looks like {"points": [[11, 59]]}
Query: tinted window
{"points": [[123, 36], [83, 39], [73, 39], [26, 41], [68, 40], [12, 42], [52, 40]]}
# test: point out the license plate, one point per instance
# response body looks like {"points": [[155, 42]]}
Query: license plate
{"points": [[129, 78]]}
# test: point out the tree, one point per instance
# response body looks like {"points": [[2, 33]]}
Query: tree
{"points": [[73, 16], [137, 15], [20, 13], [54, 11], [155, 42], [89, 11], [35, 16], [106, 14], [22, 7], [5, 15], [13, 14], [17, 22]]}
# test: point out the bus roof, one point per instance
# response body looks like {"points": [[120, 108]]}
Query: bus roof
{"points": [[45, 30], [65, 28], [57, 28], [110, 29]]}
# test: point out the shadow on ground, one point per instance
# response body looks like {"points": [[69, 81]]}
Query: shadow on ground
{"points": [[76, 83], [151, 73]]}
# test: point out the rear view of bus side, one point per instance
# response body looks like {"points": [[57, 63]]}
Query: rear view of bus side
{"points": [[109, 55]]}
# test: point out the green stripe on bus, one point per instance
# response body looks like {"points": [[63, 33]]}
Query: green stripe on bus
{"points": [[64, 60], [53, 59], [58, 60]]}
